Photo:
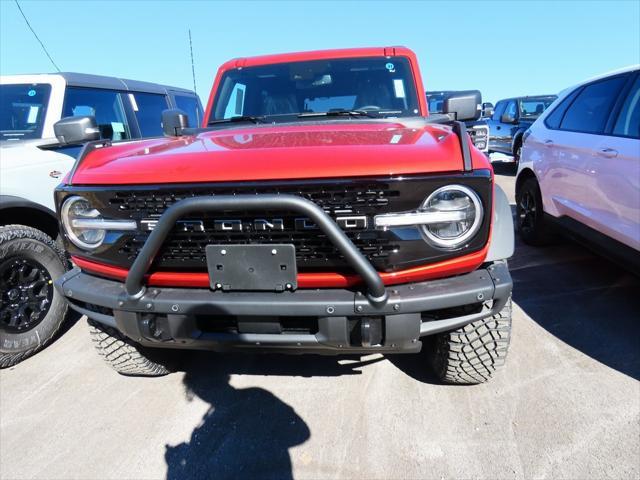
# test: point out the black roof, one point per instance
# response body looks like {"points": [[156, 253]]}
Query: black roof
{"points": [[100, 81], [553, 95]]}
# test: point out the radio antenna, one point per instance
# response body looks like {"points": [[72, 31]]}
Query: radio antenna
{"points": [[193, 74]]}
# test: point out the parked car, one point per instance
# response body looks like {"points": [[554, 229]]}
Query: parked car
{"points": [[580, 168], [511, 118], [33, 162], [319, 212], [478, 129]]}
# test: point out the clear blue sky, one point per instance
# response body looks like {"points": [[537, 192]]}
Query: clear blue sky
{"points": [[502, 48]]}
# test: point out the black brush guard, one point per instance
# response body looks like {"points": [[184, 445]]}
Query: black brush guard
{"points": [[134, 286]]}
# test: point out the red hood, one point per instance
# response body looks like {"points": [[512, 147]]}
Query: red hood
{"points": [[306, 151]]}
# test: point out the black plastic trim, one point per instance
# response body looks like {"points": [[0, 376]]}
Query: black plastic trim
{"points": [[460, 130], [11, 201]]}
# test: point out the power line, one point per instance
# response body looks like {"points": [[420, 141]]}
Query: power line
{"points": [[36, 35]]}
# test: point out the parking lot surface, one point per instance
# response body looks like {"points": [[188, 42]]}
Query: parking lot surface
{"points": [[567, 405]]}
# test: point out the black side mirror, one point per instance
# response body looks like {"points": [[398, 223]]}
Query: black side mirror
{"points": [[174, 121], [506, 118], [463, 106], [487, 109], [76, 130]]}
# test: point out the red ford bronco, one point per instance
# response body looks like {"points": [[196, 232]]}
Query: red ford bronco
{"points": [[319, 209]]}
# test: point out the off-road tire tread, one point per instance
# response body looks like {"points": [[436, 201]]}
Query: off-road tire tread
{"points": [[13, 232], [123, 355], [471, 354]]}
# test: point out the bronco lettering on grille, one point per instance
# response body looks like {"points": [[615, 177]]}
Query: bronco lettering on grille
{"points": [[258, 225]]}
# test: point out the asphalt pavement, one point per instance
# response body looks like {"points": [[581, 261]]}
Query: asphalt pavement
{"points": [[567, 404]]}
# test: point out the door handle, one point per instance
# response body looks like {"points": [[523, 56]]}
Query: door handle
{"points": [[608, 152], [548, 143]]}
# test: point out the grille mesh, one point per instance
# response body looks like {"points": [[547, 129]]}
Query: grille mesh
{"points": [[186, 244]]}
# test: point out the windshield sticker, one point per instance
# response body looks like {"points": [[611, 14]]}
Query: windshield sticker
{"points": [[134, 104], [398, 87], [31, 93], [118, 127], [32, 117], [391, 67]]}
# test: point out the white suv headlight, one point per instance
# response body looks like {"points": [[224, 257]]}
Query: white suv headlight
{"points": [[448, 218], [85, 226]]}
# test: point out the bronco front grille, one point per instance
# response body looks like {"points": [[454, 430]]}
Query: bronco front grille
{"points": [[186, 244], [361, 199]]}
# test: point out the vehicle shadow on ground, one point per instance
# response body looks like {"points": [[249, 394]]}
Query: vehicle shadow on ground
{"points": [[418, 365], [584, 300], [246, 432], [70, 320]]}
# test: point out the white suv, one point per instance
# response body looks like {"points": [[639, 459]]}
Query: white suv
{"points": [[580, 168], [32, 163]]}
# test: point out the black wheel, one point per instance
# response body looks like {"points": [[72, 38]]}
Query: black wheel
{"points": [[530, 215], [31, 311], [125, 356], [471, 354]]}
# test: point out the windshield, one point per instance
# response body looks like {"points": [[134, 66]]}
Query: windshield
{"points": [[379, 85], [533, 107], [22, 110]]}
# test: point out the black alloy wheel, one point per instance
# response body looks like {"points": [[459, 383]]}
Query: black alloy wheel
{"points": [[26, 293], [527, 209]]}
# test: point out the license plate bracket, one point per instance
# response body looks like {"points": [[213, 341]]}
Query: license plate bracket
{"points": [[252, 267]]}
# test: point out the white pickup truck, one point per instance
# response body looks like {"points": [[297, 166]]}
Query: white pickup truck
{"points": [[32, 163]]}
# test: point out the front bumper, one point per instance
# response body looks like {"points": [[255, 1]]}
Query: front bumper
{"points": [[328, 321]]}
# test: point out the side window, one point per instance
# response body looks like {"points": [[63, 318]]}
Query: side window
{"points": [[591, 108], [22, 110], [628, 122], [554, 118], [191, 106], [105, 105], [512, 109], [499, 110], [148, 109]]}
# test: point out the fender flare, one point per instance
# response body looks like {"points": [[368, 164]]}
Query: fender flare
{"points": [[502, 243], [11, 201], [517, 137]]}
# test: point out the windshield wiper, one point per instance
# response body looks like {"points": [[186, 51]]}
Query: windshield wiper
{"points": [[350, 113], [339, 113], [240, 118]]}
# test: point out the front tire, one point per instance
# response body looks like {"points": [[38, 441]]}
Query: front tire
{"points": [[123, 355], [531, 223], [517, 153], [31, 310], [471, 354]]}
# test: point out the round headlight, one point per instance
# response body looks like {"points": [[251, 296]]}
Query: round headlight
{"points": [[74, 211], [459, 202]]}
